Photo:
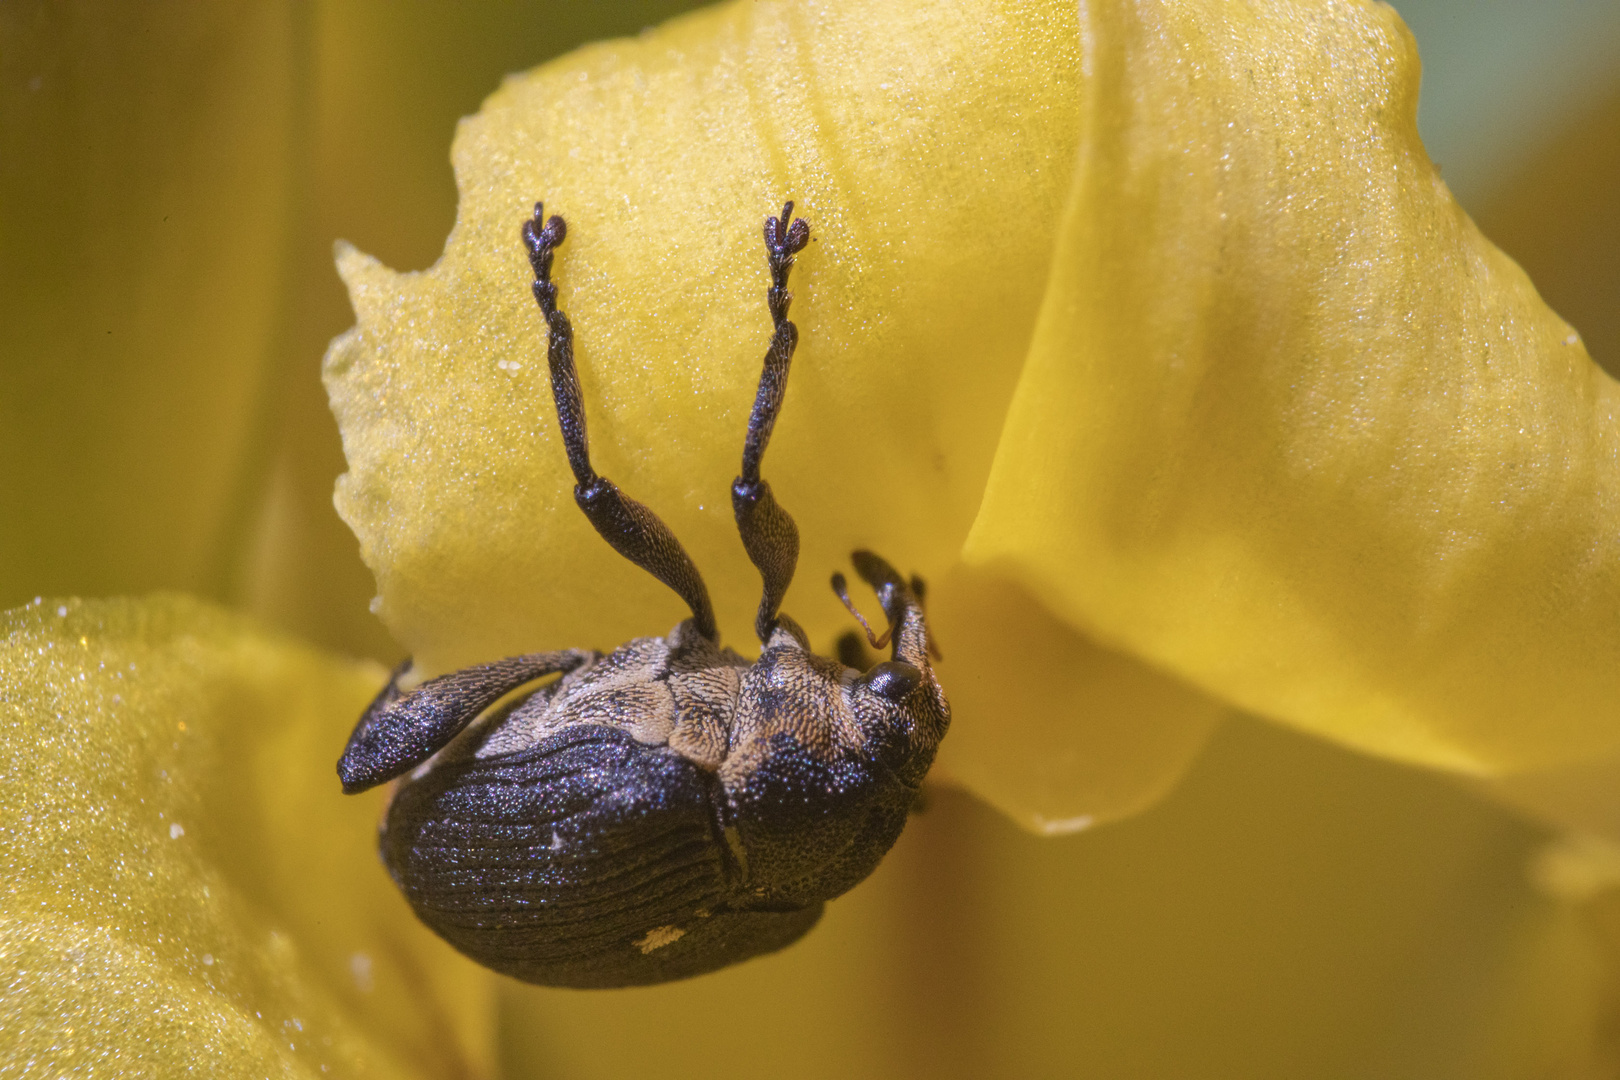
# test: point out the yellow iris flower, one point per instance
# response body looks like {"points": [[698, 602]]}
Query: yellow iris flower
{"points": [[1147, 332]]}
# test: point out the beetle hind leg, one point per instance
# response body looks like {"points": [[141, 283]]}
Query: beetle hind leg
{"points": [[400, 730], [630, 527], [768, 533]]}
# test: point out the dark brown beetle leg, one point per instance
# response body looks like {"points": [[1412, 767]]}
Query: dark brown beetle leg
{"points": [[768, 533], [632, 529], [399, 731]]}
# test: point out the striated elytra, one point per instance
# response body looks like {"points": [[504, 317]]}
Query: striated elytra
{"points": [[668, 808]]}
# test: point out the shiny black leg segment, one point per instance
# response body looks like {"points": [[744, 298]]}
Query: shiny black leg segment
{"points": [[632, 529], [399, 731], [768, 533]]}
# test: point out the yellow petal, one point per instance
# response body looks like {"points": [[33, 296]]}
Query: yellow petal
{"points": [[665, 154], [186, 887], [1290, 426], [1052, 729], [932, 175], [1291, 910]]}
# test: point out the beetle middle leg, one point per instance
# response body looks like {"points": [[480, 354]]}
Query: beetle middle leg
{"points": [[768, 532], [632, 529]]}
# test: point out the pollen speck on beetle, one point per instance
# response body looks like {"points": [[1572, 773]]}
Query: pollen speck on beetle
{"points": [[658, 937]]}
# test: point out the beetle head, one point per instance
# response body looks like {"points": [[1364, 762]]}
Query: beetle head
{"points": [[898, 704]]}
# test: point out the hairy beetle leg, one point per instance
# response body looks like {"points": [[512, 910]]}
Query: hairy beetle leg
{"points": [[399, 730], [630, 527], [768, 532]]}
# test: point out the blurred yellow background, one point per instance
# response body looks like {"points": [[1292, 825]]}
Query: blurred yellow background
{"points": [[172, 178]]}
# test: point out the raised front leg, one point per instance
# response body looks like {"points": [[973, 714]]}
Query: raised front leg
{"points": [[632, 529], [399, 731], [768, 533]]}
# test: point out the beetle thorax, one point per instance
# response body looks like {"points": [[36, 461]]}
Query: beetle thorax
{"points": [[684, 692]]}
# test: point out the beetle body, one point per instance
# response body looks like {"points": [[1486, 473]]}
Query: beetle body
{"points": [[658, 812], [670, 807]]}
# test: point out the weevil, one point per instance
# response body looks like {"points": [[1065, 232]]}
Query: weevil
{"points": [[667, 808]]}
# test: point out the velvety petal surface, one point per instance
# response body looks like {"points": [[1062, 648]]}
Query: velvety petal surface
{"points": [[186, 891], [1285, 425], [932, 153], [1290, 426], [1289, 910]]}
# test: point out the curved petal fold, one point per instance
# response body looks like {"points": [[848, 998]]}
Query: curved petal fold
{"points": [[1290, 427], [1152, 319]]}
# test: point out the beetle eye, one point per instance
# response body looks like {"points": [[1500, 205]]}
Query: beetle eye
{"points": [[894, 679]]}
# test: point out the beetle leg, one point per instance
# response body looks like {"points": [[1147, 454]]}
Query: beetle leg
{"points": [[632, 529], [399, 730], [768, 533]]}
